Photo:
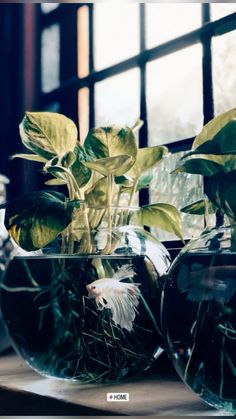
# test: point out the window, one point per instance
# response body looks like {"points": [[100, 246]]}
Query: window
{"points": [[172, 65]]}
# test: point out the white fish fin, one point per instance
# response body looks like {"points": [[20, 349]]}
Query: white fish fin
{"points": [[123, 305], [100, 302], [124, 272]]}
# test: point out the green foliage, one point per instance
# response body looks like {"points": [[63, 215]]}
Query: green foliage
{"points": [[147, 158], [213, 155], [116, 165], [200, 166], [223, 142], [221, 190], [110, 142], [97, 173], [213, 127], [200, 207], [31, 157], [48, 134], [163, 216], [36, 219]]}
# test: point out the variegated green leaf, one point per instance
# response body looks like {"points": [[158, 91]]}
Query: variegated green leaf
{"points": [[55, 182], [221, 190], [98, 195], [143, 182], [36, 219], [58, 166], [110, 142], [117, 165], [82, 174], [212, 127], [48, 134], [199, 166], [146, 159], [224, 142], [163, 216], [200, 207], [31, 157]]}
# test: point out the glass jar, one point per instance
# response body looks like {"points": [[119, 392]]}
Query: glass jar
{"points": [[5, 249], [199, 316], [90, 313]]}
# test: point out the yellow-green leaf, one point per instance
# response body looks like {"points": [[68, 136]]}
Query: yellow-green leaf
{"points": [[55, 182], [31, 157], [199, 166], [221, 190], [48, 134], [81, 173], [146, 159], [224, 142], [117, 165], [110, 142], [200, 207], [212, 127], [98, 195], [163, 216], [36, 219]]}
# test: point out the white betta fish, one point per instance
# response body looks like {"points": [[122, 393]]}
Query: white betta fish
{"points": [[121, 298]]}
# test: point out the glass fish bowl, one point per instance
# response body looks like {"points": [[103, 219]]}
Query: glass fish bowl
{"points": [[88, 316], [199, 316]]}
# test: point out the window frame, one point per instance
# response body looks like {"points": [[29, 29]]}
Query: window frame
{"points": [[70, 83]]}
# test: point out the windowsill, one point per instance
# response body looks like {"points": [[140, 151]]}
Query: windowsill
{"points": [[160, 393]]}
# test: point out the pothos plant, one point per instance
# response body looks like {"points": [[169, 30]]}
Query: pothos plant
{"points": [[213, 155], [98, 174], [211, 282]]}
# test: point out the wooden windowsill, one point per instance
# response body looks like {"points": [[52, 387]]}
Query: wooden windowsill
{"points": [[159, 393]]}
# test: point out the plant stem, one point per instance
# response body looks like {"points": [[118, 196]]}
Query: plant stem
{"points": [[133, 191], [109, 214], [87, 230]]}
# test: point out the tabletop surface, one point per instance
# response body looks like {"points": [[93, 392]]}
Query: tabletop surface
{"points": [[159, 393]]}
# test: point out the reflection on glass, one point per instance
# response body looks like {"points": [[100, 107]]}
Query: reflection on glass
{"points": [[48, 7], [83, 113], [179, 189], [174, 96], [50, 58], [219, 10], [117, 99], [224, 56], [83, 41], [116, 32], [167, 21]]}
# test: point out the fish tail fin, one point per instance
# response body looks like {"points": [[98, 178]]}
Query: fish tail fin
{"points": [[124, 306], [124, 272]]}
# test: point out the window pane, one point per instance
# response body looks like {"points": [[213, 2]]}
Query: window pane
{"points": [[50, 58], [116, 33], [174, 96], [219, 10], [167, 21], [48, 7], [179, 189], [53, 107], [83, 113], [117, 99], [224, 58], [83, 41]]}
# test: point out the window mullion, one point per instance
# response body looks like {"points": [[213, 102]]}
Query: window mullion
{"points": [[208, 107], [91, 67], [143, 135]]}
